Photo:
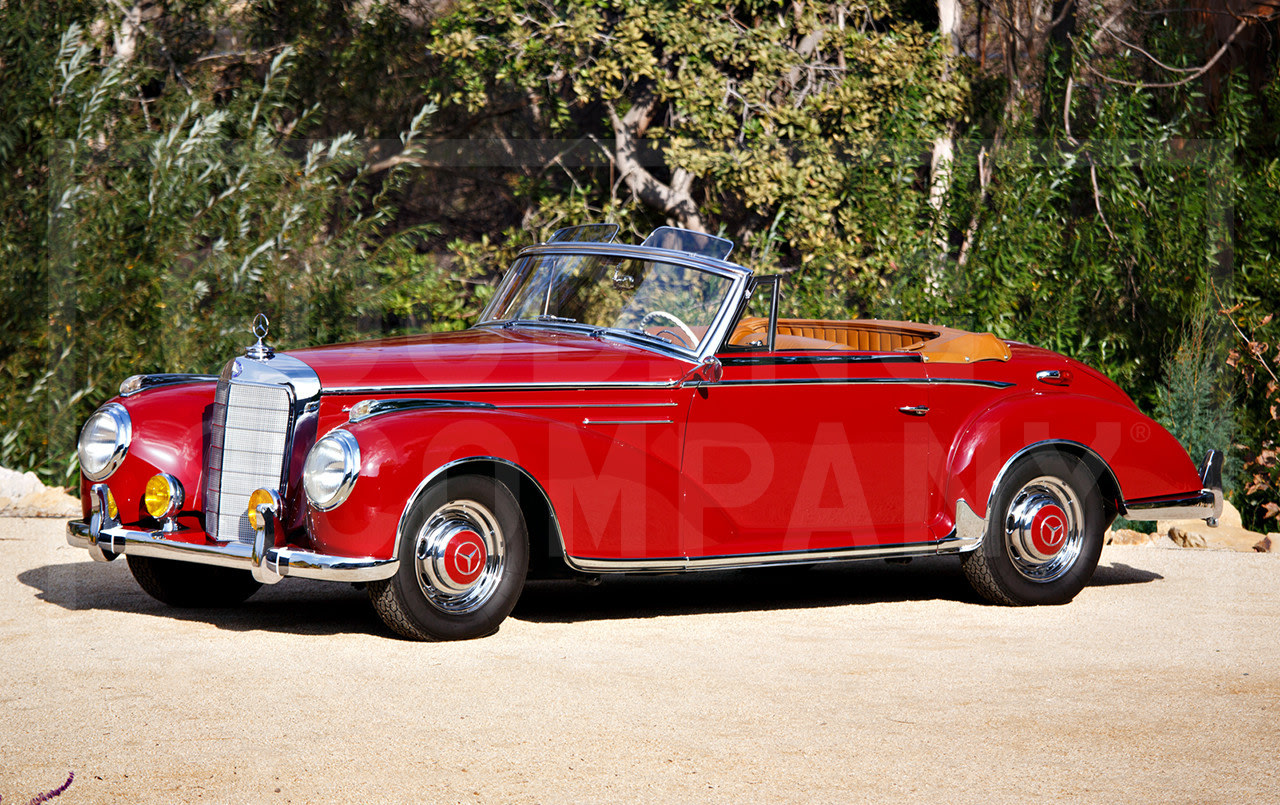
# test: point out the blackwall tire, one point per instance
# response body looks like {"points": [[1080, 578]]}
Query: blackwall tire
{"points": [[464, 556], [1044, 533], [187, 584]]}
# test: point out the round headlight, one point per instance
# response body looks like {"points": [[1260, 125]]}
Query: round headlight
{"points": [[163, 496], [331, 469], [104, 441]]}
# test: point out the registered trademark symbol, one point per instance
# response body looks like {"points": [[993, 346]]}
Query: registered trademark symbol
{"points": [[1140, 432]]}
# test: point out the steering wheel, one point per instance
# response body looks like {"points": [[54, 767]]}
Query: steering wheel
{"points": [[691, 341]]}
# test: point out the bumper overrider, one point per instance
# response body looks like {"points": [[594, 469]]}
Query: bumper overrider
{"points": [[1207, 505], [105, 539]]}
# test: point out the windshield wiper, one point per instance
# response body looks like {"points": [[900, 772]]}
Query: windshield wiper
{"points": [[652, 337], [549, 317]]}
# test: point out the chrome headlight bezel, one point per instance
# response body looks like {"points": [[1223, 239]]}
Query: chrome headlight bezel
{"points": [[331, 469], [97, 468]]}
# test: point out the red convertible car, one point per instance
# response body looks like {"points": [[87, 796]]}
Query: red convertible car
{"points": [[622, 409]]}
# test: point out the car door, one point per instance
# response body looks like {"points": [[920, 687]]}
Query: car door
{"points": [[807, 452]]}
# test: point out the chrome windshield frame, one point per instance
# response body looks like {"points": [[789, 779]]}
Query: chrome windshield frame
{"points": [[720, 323]]}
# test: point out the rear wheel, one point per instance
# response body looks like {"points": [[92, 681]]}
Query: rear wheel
{"points": [[464, 555], [186, 584], [1044, 533]]}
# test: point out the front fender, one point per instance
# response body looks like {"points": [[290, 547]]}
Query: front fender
{"points": [[170, 434], [609, 496], [1142, 457]]}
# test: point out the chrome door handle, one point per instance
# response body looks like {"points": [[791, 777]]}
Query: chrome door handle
{"points": [[915, 410]]}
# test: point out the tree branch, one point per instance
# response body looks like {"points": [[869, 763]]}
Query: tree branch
{"points": [[1097, 198], [673, 200], [1201, 71], [1153, 59]]}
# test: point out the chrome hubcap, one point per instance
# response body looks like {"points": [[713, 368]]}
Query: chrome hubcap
{"points": [[1044, 529], [460, 553]]}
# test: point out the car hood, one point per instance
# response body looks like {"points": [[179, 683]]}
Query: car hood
{"points": [[487, 356]]}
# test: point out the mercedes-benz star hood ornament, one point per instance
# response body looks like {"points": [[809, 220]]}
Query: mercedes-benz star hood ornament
{"points": [[261, 350]]}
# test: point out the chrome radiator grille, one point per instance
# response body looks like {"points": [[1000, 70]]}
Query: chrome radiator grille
{"points": [[251, 425]]}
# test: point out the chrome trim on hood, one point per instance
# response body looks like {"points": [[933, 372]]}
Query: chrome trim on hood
{"points": [[135, 384]]}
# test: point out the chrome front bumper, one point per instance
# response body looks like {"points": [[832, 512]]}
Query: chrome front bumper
{"points": [[107, 540], [1207, 505]]}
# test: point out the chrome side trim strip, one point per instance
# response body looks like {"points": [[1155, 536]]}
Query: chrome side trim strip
{"points": [[520, 406], [239, 555], [678, 564], [588, 421], [453, 388], [905, 381], [367, 409], [656, 384]]}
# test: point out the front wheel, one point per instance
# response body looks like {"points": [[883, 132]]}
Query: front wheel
{"points": [[186, 584], [1044, 533], [464, 555]]}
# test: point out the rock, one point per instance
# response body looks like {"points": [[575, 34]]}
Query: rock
{"points": [[22, 495], [1230, 534], [1186, 539], [1163, 541], [14, 485], [1126, 536]]}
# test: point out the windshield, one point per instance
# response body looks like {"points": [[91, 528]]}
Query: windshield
{"points": [[647, 298]]}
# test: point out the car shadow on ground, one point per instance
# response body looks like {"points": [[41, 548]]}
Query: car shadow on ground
{"points": [[1115, 574], [799, 587], [293, 606], [307, 607]]}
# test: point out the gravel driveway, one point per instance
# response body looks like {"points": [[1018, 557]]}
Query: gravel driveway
{"points": [[856, 683]]}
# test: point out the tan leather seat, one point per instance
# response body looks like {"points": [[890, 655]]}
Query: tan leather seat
{"points": [[786, 341], [851, 336], [826, 334], [934, 344]]}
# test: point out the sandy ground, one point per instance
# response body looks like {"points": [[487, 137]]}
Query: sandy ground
{"points": [[856, 683]]}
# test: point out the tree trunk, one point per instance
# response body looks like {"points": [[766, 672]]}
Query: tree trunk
{"points": [[128, 33], [943, 159]]}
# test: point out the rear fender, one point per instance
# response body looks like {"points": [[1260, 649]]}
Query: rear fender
{"points": [[1131, 454]]}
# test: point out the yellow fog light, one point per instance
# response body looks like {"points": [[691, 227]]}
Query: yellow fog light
{"points": [[261, 497], [163, 496]]}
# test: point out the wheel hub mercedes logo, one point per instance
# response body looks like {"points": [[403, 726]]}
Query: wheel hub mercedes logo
{"points": [[464, 557], [467, 558], [1053, 530]]}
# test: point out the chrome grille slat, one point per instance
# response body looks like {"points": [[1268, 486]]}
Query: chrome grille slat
{"points": [[251, 428]]}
